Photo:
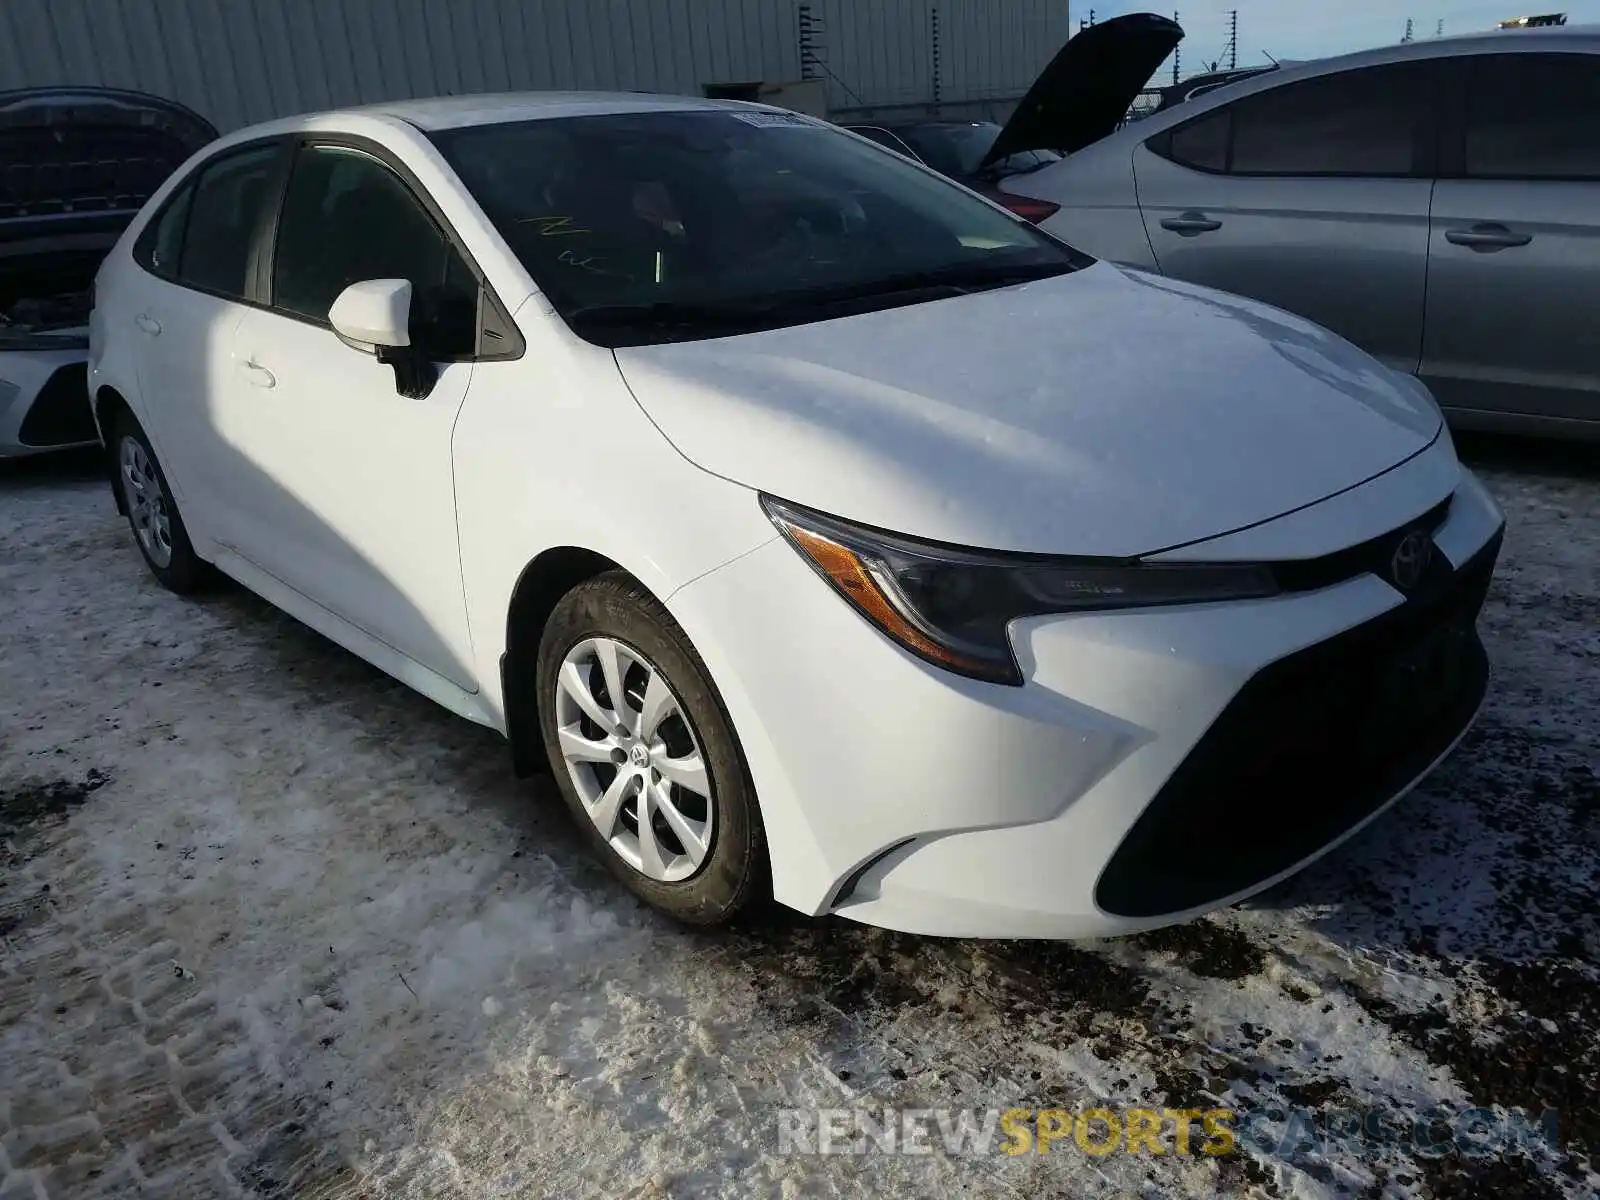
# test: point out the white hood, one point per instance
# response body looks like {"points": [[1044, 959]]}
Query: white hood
{"points": [[1106, 412]]}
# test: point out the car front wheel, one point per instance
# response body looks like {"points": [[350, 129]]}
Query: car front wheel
{"points": [[645, 755]]}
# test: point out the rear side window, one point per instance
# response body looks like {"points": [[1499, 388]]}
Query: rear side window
{"points": [[1533, 116], [201, 238], [347, 217], [160, 247], [224, 216], [1202, 144], [1373, 122]]}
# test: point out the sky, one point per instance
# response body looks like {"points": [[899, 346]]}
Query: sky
{"points": [[1313, 28]]}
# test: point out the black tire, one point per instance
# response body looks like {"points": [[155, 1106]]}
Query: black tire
{"points": [[735, 869], [184, 571]]}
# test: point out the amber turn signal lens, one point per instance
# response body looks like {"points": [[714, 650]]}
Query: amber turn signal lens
{"points": [[854, 580]]}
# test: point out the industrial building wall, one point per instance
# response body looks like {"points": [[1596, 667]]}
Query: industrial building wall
{"points": [[241, 61]]}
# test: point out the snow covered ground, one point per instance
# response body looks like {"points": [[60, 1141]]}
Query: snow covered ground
{"points": [[271, 925]]}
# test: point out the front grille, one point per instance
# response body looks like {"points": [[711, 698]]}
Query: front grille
{"points": [[1310, 746], [60, 414], [1372, 556]]}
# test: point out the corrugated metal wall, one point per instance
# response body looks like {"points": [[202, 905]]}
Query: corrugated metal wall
{"points": [[241, 61]]}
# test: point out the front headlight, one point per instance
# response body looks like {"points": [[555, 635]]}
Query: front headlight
{"points": [[951, 606]]}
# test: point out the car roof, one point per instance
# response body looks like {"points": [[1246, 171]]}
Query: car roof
{"points": [[1539, 39], [1587, 32], [919, 123], [455, 112]]}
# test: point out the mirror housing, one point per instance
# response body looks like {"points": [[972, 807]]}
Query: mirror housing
{"points": [[373, 313], [374, 316]]}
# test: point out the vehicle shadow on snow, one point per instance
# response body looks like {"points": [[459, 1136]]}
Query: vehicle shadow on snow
{"points": [[1543, 456], [52, 470]]}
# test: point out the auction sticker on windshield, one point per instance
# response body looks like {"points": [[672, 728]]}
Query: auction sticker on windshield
{"points": [[770, 120]]}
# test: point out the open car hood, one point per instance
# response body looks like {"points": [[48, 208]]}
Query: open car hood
{"points": [[79, 164], [1089, 85]]}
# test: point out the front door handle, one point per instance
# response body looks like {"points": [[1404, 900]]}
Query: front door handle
{"points": [[148, 323], [1190, 224], [258, 375], [1486, 237]]}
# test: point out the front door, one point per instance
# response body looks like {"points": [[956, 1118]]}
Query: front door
{"points": [[349, 491], [1312, 196]]}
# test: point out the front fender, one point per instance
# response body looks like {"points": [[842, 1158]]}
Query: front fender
{"points": [[552, 451]]}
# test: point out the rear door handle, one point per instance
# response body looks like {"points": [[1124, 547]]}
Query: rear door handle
{"points": [[1190, 224], [1487, 237], [148, 323], [258, 375]]}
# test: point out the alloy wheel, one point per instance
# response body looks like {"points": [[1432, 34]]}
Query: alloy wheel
{"points": [[147, 502], [634, 759]]}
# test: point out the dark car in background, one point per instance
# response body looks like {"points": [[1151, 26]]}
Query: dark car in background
{"points": [[1082, 96], [76, 164], [960, 150]]}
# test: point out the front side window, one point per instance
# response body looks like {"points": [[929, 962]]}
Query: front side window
{"points": [[664, 225], [347, 218], [1533, 116], [1373, 122], [224, 216]]}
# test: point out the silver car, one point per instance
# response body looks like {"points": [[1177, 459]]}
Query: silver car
{"points": [[1437, 203]]}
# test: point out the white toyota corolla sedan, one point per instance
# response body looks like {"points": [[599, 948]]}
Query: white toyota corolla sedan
{"points": [[827, 530]]}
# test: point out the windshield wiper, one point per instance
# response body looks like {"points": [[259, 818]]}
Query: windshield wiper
{"points": [[671, 317], [662, 315], [957, 279]]}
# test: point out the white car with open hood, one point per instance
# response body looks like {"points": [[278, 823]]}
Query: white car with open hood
{"points": [[826, 529]]}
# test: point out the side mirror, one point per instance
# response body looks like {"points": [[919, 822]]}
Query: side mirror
{"points": [[374, 316], [373, 313]]}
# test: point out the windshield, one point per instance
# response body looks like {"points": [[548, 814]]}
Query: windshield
{"points": [[959, 150], [658, 226]]}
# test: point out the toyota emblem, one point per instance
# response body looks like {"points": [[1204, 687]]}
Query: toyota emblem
{"points": [[1411, 558]]}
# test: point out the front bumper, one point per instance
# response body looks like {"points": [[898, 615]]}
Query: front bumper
{"points": [[1155, 765], [44, 401]]}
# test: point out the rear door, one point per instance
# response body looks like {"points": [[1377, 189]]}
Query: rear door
{"points": [[196, 256], [1312, 195], [1515, 256]]}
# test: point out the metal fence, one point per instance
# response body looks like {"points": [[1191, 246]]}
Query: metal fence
{"points": [[242, 61]]}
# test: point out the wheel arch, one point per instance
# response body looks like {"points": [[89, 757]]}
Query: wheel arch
{"points": [[109, 406], [541, 585]]}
